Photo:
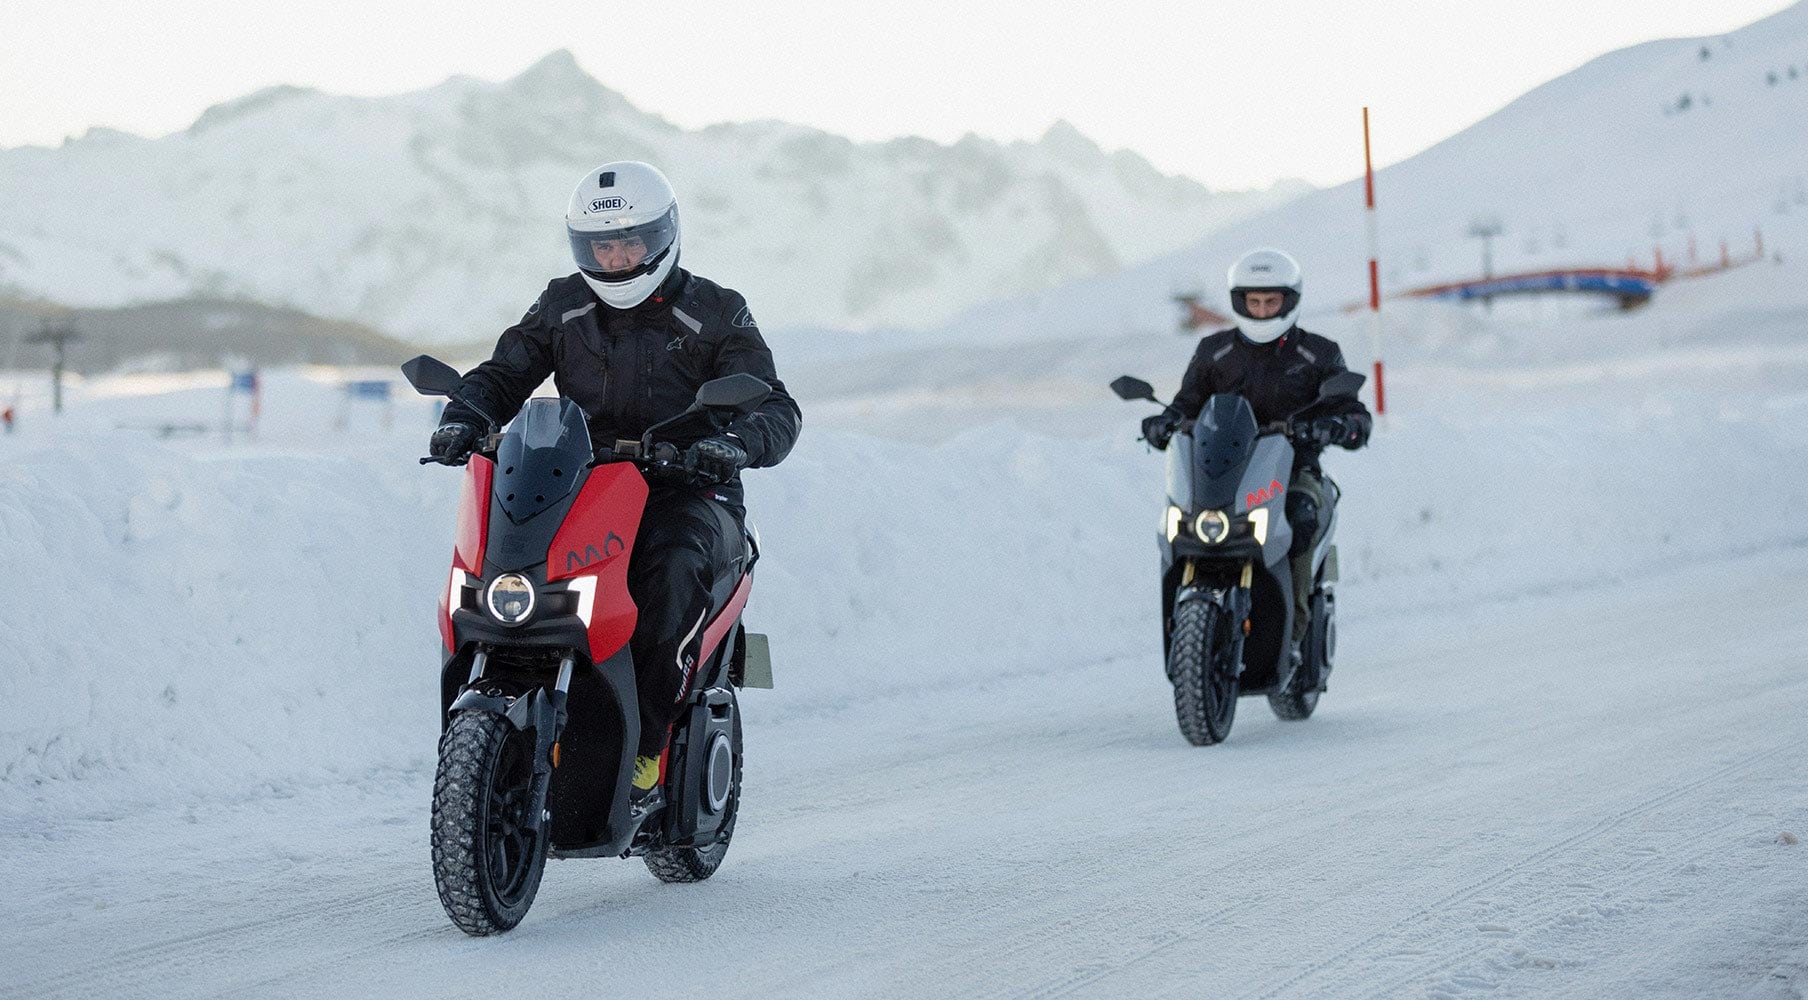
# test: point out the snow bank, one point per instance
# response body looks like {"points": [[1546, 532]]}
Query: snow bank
{"points": [[194, 622]]}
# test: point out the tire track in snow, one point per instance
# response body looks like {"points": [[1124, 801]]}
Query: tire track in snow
{"points": [[1431, 912], [275, 934], [1504, 925]]}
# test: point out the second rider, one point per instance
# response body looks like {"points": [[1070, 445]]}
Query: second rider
{"points": [[1278, 367]]}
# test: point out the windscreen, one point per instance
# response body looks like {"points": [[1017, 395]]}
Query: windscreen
{"points": [[542, 456], [1224, 437]]}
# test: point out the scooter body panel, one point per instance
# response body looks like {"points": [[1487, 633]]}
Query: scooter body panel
{"points": [[1224, 462]]}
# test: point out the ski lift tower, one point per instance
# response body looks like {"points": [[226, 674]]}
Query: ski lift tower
{"points": [[1485, 229], [58, 335]]}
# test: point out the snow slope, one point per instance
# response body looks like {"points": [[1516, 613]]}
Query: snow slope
{"points": [[434, 214], [1562, 742], [1596, 166]]}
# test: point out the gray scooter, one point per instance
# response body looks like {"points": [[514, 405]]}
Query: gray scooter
{"points": [[1226, 574]]}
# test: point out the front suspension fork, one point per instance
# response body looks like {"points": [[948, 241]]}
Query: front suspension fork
{"points": [[1235, 602], [541, 710]]}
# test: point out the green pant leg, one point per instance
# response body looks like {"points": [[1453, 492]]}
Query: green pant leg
{"points": [[1309, 484]]}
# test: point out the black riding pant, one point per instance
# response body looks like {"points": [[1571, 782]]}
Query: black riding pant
{"points": [[686, 540], [1309, 503]]}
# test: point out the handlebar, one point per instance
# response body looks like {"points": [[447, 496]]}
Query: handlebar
{"points": [[664, 464]]}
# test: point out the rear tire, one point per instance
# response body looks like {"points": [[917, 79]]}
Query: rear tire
{"points": [[1293, 706], [1205, 682], [694, 864], [486, 863]]}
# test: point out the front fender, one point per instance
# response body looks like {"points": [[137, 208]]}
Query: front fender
{"points": [[534, 710], [539, 710]]}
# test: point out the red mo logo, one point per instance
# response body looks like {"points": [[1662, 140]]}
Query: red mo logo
{"points": [[1263, 495]]}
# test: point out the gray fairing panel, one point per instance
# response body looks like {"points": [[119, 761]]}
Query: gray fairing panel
{"points": [[1271, 464]]}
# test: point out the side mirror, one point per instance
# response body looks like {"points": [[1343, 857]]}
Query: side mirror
{"points": [[1128, 388], [740, 393], [1343, 383], [431, 376]]}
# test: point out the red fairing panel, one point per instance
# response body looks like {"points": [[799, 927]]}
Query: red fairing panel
{"points": [[474, 515], [596, 540], [731, 613], [471, 536], [445, 617]]}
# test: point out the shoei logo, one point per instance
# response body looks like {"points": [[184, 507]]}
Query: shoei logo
{"points": [[1263, 495], [607, 204]]}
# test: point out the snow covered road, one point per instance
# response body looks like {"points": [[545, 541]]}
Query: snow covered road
{"points": [[1577, 794]]}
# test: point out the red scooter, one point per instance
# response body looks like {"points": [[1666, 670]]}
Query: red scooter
{"points": [[540, 716]]}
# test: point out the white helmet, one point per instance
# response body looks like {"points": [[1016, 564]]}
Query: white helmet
{"points": [[623, 224], [1265, 270]]}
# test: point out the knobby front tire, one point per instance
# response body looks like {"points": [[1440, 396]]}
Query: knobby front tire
{"points": [[486, 862], [1205, 685]]}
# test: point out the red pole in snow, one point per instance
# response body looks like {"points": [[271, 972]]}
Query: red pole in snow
{"points": [[1658, 255], [1368, 194], [1758, 234], [1691, 249], [1726, 259]]}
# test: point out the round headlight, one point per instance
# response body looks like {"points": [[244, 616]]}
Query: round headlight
{"points": [[1212, 526], [511, 599]]}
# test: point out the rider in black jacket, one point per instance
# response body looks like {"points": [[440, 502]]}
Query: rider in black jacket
{"points": [[1278, 367], [630, 338]]}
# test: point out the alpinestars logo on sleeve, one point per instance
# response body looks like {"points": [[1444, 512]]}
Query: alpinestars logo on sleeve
{"points": [[744, 319]]}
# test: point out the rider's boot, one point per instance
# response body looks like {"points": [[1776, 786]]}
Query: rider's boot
{"points": [[644, 792]]}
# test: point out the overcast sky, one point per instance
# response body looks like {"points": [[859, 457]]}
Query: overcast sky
{"points": [[1233, 94]]}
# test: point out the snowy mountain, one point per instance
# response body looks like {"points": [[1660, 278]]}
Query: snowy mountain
{"points": [[435, 214], [1702, 139]]}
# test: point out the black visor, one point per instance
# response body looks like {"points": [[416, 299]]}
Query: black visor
{"points": [[1289, 301], [626, 252]]}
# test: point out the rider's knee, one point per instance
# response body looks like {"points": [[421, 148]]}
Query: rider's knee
{"points": [[1303, 517]]}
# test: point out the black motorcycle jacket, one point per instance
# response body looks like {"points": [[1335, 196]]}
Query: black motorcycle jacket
{"points": [[1277, 378], [631, 368]]}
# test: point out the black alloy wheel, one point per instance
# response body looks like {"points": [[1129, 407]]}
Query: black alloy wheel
{"points": [[487, 862]]}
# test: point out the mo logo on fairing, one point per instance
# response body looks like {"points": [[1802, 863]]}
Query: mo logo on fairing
{"points": [[1265, 494], [612, 546]]}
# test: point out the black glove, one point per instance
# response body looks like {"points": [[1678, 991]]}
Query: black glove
{"points": [[1332, 430], [1159, 428], [715, 459], [453, 443]]}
